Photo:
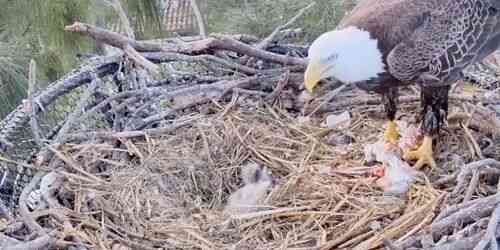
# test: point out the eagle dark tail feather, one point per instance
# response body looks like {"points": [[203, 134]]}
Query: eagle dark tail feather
{"points": [[434, 101]]}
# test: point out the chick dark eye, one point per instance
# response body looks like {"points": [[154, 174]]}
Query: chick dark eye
{"points": [[332, 57]]}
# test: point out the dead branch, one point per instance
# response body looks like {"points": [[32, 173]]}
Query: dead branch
{"points": [[268, 40], [123, 17], [85, 136], [199, 18], [465, 243], [116, 40], [35, 127], [490, 238], [190, 48], [471, 169], [4, 212], [466, 213], [271, 38], [42, 242], [28, 220], [72, 119]]}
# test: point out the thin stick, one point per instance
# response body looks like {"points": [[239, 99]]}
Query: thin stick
{"points": [[126, 134], [490, 236], [199, 18], [329, 97], [35, 128], [269, 39], [472, 186], [28, 220], [43, 242], [195, 47], [123, 17]]}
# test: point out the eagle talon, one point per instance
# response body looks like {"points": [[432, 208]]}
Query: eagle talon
{"points": [[391, 134], [423, 154]]}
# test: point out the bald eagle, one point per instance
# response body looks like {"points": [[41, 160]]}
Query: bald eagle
{"points": [[385, 44]]}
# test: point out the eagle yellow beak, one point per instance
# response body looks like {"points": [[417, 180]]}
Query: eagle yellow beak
{"points": [[312, 76]]}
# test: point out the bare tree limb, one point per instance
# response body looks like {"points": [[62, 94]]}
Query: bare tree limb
{"points": [[199, 18], [466, 213], [141, 60], [123, 17], [269, 39], [43, 242], [113, 39], [125, 134], [490, 238], [72, 119], [195, 47], [24, 212], [470, 169], [35, 128]]}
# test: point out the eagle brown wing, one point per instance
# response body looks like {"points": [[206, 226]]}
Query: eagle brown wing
{"points": [[390, 21], [450, 38]]}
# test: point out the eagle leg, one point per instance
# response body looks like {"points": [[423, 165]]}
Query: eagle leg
{"points": [[434, 101], [390, 101]]}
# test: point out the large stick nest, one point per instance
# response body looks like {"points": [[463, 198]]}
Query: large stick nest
{"points": [[153, 141]]}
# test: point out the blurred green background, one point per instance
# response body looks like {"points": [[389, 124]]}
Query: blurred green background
{"points": [[34, 30]]}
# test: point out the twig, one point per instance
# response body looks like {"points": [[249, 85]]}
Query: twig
{"points": [[199, 18], [73, 165], [126, 134], [490, 237], [465, 243], [470, 168], [285, 78], [329, 97], [269, 39], [116, 40], [6, 242], [141, 60], [123, 17], [465, 213], [29, 221], [4, 211], [72, 119], [43, 242], [477, 149], [389, 245], [35, 128], [211, 91], [19, 118], [472, 185], [203, 59], [190, 48]]}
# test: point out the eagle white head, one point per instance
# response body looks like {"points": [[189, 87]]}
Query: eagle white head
{"points": [[349, 55]]}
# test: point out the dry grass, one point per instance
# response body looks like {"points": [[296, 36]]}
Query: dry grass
{"points": [[171, 189]]}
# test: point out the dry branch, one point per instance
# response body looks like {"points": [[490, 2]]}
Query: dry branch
{"points": [[199, 18], [491, 236], [25, 214], [116, 4], [114, 39], [189, 48], [44, 242], [35, 127], [271, 38]]}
